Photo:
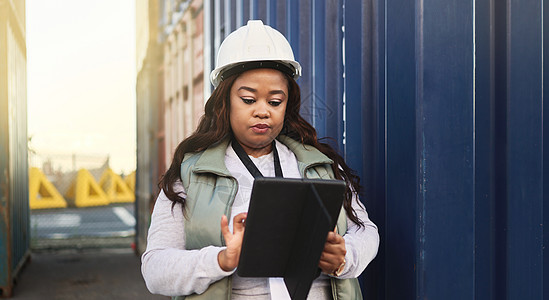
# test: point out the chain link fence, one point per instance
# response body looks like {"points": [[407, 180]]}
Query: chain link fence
{"points": [[78, 201]]}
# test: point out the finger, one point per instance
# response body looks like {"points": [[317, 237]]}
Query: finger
{"points": [[239, 222], [324, 266], [329, 257], [331, 250], [333, 238], [330, 237], [240, 217], [329, 262], [326, 259], [327, 267], [224, 226]]}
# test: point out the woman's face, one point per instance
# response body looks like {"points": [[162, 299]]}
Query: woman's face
{"points": [[258, 105]]}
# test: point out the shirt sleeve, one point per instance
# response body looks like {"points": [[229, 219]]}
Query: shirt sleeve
{"points": [[167, 267], [361, 243]]}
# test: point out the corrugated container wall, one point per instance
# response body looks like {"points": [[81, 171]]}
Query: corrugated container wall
{"points": [[461, 85], [183, 66], [438, 106], [14, 197], [149, 137], [170, 91]]}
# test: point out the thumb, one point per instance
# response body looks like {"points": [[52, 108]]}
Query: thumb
{"points": [[239, 222]]}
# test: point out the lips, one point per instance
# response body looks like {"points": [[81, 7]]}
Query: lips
{"points": [[261, 126]]}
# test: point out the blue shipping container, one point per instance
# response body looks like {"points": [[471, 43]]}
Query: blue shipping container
{"points": [[438, 105]]}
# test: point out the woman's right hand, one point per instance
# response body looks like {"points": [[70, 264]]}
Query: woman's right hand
{"points": [[228, 258]]}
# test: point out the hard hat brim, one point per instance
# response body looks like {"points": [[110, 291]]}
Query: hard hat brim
{"points": [[243, 67], [291, 68]]}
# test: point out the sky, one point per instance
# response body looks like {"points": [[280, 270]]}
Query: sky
{"points": [[81, 81]]}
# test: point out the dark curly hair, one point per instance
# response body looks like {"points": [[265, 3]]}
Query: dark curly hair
{"points": [[214, 126]]}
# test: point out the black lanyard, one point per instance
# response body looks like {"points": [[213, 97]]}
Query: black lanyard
{"points": [[249, 164]]}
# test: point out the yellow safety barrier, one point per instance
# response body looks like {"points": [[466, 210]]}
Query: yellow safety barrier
{"points": [[130, 181], [84, 191], [42, 193], [114, 186]]}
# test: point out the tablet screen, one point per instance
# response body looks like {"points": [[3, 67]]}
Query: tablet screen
{"points": [[288, 221]]}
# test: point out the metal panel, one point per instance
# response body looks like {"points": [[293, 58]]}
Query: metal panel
{"points": [[292, 25], [545, 145], [374, 133], [271, 13], [484, 152], [245, 5], [261, 8], [227, 8], [19, 200], [364, 119], [303, 40], [444, 135], [318, 108], [281, 14], [14, 194], [332, 81], [240, 17], [217, 35], [5, 245], [400, 78], [353, 109], [524, 156], [500, 147], [254, 10], [374, 179]]}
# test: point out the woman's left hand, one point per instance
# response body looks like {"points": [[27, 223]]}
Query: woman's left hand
{"points": [[333, 254]]}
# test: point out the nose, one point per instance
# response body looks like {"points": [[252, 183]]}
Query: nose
{"points": [[261, 110]]}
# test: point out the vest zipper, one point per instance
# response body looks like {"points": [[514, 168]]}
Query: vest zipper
{"points": [[334, 288], [230, 204], [228, 214]]}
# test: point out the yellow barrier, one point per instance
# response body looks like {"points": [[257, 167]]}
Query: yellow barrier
{"points": [[114, 186], [42, 193], [130, 181], [84, 191]]}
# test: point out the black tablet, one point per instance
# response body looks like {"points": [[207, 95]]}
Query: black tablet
{"points": [[286, 228]]}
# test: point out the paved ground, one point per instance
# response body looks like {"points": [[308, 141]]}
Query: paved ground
{"points": [[82, 274], [101, 221]]}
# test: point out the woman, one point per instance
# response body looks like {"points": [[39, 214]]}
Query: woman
{"points": [[251, 127]]}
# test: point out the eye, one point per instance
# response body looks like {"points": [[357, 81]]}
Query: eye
{"points": [[275, 103], [247, 100]]}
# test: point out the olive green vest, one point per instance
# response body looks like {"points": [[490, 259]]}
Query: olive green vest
{"points": [[211, 190]]}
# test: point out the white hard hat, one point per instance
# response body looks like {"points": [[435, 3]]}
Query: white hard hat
{"points": [[254, 46]]}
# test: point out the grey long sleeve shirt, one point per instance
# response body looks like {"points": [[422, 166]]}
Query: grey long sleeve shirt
{"points": [[169, 269]]}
